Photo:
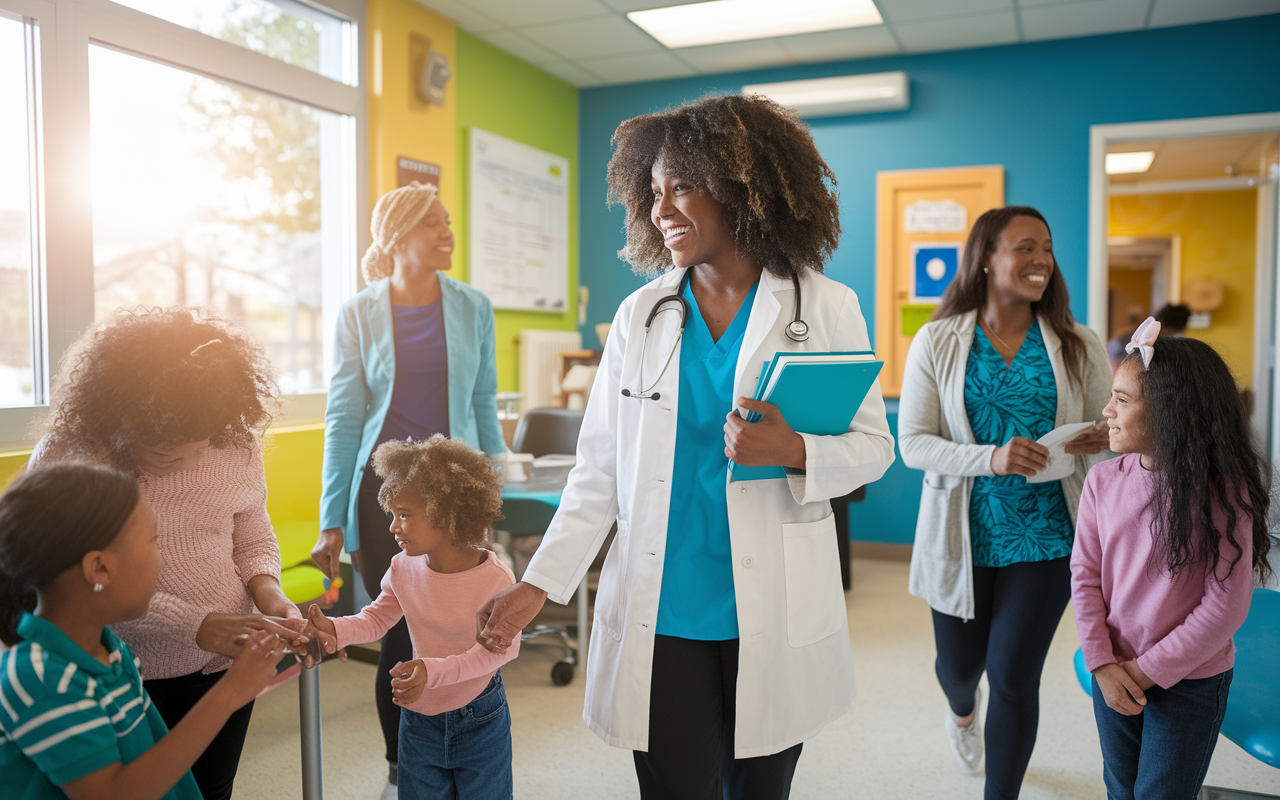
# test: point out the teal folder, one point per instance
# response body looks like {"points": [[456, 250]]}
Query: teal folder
{"points": [[817, 393]]}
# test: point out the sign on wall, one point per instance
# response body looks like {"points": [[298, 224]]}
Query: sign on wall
{"points": [[935, 216], [933, 267], [519, 226]]}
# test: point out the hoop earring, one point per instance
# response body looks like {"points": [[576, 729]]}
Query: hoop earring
{"points": [[97, 587]]}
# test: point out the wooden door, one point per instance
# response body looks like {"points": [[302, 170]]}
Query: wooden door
{"points": [[919, 211]]}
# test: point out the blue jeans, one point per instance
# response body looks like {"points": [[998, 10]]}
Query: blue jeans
{"points": [[464, 754], [1163, 752]]}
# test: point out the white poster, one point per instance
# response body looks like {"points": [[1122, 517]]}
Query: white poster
{"points": [[935, 216], [519, 224]]}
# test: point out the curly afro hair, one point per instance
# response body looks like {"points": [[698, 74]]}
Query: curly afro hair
{"points": [[755, 157], [153, 377], [456, 484]]}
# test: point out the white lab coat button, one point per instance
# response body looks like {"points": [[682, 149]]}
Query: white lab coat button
{"points": [[748, 561], [744, 490]]}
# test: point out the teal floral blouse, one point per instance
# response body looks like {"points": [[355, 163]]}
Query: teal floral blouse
{"points": [[1010, 520]]}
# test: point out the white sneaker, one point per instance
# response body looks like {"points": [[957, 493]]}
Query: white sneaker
{"points": [[966, 742]]}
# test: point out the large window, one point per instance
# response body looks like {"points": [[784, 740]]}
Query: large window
{"points": [[209, 195], [169, 165], [18, 214], [289, 30]]}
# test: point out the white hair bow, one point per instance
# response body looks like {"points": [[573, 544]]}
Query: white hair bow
{"points": [[1144, 339]]}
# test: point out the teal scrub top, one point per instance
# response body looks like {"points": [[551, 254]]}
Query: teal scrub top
{"points": [[697, 600], [1012, 521]]}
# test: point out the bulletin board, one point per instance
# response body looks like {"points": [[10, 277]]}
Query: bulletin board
{"points": [[519, 224], [922, 221]]}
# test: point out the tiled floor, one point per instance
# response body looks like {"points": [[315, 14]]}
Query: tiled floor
{"points": [[891, 745]]}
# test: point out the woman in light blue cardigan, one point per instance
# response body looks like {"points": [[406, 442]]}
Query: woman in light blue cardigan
{"points": [[413, 356]]}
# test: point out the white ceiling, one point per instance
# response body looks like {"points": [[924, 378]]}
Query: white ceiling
{"points": [[592, 43], [1243, 155]]}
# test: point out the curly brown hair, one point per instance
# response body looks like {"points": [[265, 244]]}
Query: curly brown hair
{"points": [[152, 377], [755, 157], [457, 485]]}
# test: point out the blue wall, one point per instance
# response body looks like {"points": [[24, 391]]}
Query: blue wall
{"points": [[1025, 106]]}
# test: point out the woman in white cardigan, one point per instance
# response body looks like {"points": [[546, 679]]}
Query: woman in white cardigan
{"points": [[1001, 363]]}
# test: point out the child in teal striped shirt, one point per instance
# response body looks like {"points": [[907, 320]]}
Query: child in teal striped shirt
{"points": [[78, 547]]}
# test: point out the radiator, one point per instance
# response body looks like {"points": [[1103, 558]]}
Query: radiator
{"points": [[540, 365]]}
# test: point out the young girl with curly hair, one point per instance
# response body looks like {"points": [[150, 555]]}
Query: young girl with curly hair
{"points": [[413, 355], [720, 641], [455, 728], [79, 553], [178, 399], [1168, 540]]}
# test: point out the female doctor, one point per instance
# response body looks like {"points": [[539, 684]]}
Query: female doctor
{"points": [[720, 641]]}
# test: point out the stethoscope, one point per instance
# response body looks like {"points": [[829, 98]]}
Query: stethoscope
{"points": [[797, 330]]}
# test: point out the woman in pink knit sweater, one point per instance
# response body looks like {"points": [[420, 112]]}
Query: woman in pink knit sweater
{"points": [[178, 399], [1168, 539]]}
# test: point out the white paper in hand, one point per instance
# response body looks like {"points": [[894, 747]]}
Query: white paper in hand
{"points": [[1060, 463]]}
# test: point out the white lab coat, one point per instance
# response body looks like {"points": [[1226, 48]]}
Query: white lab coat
{"points": [[795, 671]]}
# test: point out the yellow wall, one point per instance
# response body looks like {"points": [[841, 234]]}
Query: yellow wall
{"points": [[489, 89], [1218, 232], [399, 123]]}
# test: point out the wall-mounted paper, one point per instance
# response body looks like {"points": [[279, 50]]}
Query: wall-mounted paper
{"points": [[519, 225]]}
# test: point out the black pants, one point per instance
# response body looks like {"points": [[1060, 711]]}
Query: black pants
{"points": [[377, 547], [215, 770], [691, 726], [1016, 612]]}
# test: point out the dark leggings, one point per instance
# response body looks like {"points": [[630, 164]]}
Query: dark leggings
{"points": [[692, 709], [215, 770], [377, 546], [1016, 613]]}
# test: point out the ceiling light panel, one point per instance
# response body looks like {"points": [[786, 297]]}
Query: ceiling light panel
{"points": [[740, 20], [1127, 163]]}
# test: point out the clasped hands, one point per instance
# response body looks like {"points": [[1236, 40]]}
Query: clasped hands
{"points": [[226, 634], [1123, 686], [1022, 456], [407, 680]]}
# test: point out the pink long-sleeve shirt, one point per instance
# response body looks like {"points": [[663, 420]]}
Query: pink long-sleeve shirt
{"points": [[440, 609], [1128, 607]]}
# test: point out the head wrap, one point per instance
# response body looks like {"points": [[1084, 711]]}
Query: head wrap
{"points": [[393, 216], [1144, 340]]}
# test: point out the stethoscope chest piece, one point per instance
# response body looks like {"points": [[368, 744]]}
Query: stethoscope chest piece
{"points": [[798, 330]]}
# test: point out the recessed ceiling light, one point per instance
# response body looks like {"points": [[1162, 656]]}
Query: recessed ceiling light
{"points": [[1125, 163], [739, 20]]}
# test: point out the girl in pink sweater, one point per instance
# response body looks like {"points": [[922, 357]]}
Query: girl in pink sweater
{"points": [[1168, 540], [455, 729]]}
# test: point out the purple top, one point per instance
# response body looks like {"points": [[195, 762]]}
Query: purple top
{"points": [[420, 395], [1126, 607]]}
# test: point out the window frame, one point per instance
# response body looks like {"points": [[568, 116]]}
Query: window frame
{"points": [[65, 31]]}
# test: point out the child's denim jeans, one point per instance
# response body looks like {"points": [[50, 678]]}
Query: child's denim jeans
{"points": [[1165, 750], [463, 754]]}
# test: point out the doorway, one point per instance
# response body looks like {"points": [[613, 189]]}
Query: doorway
{"points": [[1185, 212]]}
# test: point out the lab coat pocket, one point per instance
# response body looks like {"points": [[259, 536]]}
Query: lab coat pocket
{"points": [[815, 599], [611, 596]]}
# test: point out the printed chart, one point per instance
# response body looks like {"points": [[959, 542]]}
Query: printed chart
{"points": [[519, 224]]}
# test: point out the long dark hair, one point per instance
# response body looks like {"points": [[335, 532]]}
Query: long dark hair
{"points": [[1206, 461], [50, 517], [969, 288]]}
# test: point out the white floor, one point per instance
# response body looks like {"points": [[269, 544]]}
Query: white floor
{"points": [[891, 745]]}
